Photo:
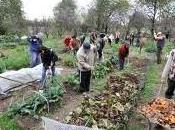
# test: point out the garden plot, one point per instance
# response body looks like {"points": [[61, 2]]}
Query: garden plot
{"points": [[13, 79], [111, 108]]}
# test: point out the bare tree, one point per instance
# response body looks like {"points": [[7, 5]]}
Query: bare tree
{"points": [[152, 9], [65, 15]]}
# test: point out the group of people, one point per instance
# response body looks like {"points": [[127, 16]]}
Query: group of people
{"points": [[89, 49]]}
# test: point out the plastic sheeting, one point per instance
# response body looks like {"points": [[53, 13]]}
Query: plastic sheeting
{"points": [[24, 76], [49, 124]]}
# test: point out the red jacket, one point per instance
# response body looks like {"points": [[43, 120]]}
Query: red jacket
{"points": [[67, 41], [123, 51]]}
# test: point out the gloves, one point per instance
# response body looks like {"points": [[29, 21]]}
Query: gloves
{"points": [[90, 67]]}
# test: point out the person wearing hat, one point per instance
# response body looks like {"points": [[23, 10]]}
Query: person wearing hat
{"points": [[35, 42], [160, 38], [85, 65], [123, 52]]}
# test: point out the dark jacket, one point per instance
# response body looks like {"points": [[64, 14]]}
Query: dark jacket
{"points": [[101, 44], [48, 58]]}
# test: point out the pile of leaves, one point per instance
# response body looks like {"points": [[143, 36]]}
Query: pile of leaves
{"points": [[102, 69], [108, 110], [39, 102], [161, 111]]}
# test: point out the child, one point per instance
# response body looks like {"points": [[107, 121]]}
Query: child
{"points": [[48, 58]]}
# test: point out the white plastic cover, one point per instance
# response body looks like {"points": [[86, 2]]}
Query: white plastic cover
{"points": [[49, 124], [25, 75]]}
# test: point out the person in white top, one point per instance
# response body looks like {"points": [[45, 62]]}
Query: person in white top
{"points": [[85, 57], [169, 74]]}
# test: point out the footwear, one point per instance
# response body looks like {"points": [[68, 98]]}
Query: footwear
{"points": [[168, 97]]}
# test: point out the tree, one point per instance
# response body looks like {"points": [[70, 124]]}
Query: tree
{"points": [[106, 9], [65, 15], [152, 9], [138, 20], [102, 12], [11, 16]]}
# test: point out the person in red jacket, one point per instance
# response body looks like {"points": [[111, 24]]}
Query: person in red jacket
{"points": [[122, 54], [67, 41], [72, 43]]}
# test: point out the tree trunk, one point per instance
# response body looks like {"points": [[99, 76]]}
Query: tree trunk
{"points": [[154, 18], [98, 23]]}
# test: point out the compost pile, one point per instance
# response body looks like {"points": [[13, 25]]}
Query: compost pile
{"points": [[108, 110], [160, 111]]}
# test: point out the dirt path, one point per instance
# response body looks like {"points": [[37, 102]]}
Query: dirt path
{"points": [[71, 100]]}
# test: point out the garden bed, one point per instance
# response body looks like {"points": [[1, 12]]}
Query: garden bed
{"points": [[111, 108]]}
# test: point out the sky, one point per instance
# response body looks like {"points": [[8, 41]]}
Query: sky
{"points": [[38, 9]]}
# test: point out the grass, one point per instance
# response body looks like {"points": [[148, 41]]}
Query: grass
{"points": [[69, 60], [18, 56], [7, 123], [152, 80], [15, 58]]}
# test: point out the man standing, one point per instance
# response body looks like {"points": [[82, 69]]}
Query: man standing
{"points": [[160, 38], [131, 39], [138, 37], [100, 46], [122, 54], [169, 73], [35, 43], [117, 37], [85, 65]]}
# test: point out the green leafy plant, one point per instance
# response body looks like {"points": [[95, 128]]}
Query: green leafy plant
{"points": [[72, 80], [69, 60], [102, 69], [39, 102], [150, 47]]}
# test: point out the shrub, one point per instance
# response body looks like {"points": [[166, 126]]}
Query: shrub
{"points": [[150, 47], [69, 60], [72, 80]]}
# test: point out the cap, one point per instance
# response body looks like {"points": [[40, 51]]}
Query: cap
{"points": [[86, 45], [159, 33]]}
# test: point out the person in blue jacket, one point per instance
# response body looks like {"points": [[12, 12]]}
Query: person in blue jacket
{"points": [[35, 43]]}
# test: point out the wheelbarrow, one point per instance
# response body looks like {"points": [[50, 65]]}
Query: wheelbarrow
{"points": [[153, 117]]}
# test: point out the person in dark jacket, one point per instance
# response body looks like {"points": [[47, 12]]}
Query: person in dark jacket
{"points": [[48, 58], [160, 38], [35, 43], [93, 37], [100, 47], [122, 54]]}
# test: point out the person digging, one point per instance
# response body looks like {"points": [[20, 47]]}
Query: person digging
{"points": [[85, 65], [48, 58], [122, 54]]}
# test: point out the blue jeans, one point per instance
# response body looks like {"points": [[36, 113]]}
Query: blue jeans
{"points": [[35, 59], [43, 78]]}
